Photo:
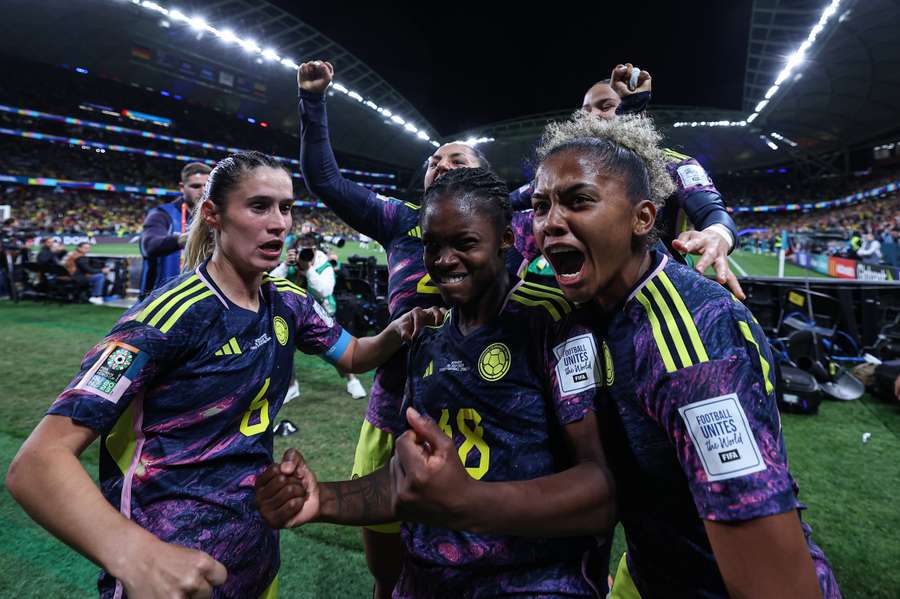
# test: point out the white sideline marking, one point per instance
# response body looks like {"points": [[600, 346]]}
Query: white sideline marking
{"points": [[737, 267]]}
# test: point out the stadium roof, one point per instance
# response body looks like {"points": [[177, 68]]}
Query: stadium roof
{"points": [[843, 94], [126, 40]]}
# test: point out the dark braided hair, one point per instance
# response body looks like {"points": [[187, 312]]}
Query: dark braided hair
{"points": [[226, 175], [479, 187]]}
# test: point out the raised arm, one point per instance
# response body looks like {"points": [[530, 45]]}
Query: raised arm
{"points": [[356, 205]]}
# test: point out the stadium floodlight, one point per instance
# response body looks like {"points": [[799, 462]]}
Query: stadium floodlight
{"points": [[781, 137], [411, 128], [752, 117], [771, 92], [422, 135], [762, 104], [228, 36], [435, 144], [772, 145], [200, 24]]}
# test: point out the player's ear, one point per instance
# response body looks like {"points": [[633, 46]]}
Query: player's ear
{"points": [[211, 215], [507, 239], [644, 217]]}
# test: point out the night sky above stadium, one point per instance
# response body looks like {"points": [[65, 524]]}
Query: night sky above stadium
{"points": [[463, 67]]}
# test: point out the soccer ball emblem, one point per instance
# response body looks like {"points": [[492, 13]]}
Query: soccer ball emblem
{"points": [[120, 359], [494, 362]]}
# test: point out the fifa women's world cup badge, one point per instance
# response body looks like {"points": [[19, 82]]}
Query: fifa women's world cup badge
{"points": [[494, 362]]}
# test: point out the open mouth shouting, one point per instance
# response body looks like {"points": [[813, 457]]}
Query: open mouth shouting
{"points": [[567, 262]]}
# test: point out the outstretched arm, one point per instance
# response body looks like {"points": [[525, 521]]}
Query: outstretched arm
{"points": [[356, 205]]}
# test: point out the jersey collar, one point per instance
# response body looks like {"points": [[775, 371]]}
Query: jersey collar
{"points": [[658, 262]]}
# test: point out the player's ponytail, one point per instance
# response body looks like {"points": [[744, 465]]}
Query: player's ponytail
{"points": [[227, 174]]}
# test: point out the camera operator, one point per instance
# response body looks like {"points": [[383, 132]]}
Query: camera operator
{"points": [[15, 251], [52, 252], [306, 258]]}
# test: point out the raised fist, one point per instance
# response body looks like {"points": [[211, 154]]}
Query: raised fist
{"points": [[315, 76], [621, 78]]}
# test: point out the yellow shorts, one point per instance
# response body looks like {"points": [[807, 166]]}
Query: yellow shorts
{"points": [[623, 586], [374, 450]]}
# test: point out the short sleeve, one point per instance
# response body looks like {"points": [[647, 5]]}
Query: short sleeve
{"points": [[113, 373], [572, 368], [722, 419], [316, 332]]}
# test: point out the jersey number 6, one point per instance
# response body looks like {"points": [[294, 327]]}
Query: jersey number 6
{"points": [[474, 439], [259, 404]]}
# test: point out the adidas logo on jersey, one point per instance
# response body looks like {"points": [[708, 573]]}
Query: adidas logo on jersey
{"points": [[230, 348]]}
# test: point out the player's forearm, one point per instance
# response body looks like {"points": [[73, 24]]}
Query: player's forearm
{"points": [[369, 353], [577, 501], [54, 489], [358, 502], [706, 208]]}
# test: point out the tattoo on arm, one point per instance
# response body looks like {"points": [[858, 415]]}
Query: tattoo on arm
{"points": [[361, 501]]}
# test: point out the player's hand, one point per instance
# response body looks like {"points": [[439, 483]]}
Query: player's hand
{"points": [[713, 250], [411, 324], [621, 78], [163, 570], [287, 493], [429, 479], [315, 76], [291, 258], [182, 240]]}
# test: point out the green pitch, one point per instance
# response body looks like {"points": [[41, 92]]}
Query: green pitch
{"points": [[850, 487], [351, 248]]}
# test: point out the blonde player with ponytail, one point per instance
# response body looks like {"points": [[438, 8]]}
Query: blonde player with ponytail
{"points": [[182, 393]]}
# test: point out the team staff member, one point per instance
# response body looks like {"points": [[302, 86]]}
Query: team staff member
{"points": [[509, 378], [693, 434], [183, 392], [165, 230], [76, 263]]}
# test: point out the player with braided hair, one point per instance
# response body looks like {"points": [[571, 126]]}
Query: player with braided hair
{"points": [[501, 401]]}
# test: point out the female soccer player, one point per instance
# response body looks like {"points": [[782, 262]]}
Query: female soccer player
{"points": [[510, 379], [395, 225], [182, 393], [694, 437]]}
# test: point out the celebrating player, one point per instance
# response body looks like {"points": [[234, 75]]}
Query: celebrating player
{"points": [[183, 392], [693, 434], [510, 380], [695, 198]]}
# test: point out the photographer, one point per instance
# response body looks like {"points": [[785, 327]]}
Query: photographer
{"points": [[305, 257], [15, 251], [52, 252]]}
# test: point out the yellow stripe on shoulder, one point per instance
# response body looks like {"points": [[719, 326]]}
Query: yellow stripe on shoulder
{"points": [[686, 317], [546, 293], [676, 155], [661, 345], [763, 363], [165, 296], [543, 303], [411, 205], [182, 309], [284, 285]]}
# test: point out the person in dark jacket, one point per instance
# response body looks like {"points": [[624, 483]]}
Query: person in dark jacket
{"points": [[165, 230]]}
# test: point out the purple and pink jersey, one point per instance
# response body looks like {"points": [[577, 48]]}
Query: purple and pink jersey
{"points": [[504, 394], [183, 392], [691, 429]]}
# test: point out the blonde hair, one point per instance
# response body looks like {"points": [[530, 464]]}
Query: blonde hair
{"points": [[628, 145], [201, 240]]}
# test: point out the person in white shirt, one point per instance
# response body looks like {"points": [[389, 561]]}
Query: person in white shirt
{"points": [[870, 252], [306, 258]]}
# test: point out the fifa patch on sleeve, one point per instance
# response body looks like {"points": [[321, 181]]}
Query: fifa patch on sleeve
{"points": [[113, 372], [721, 434], [693, 175], [577, 367]]}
